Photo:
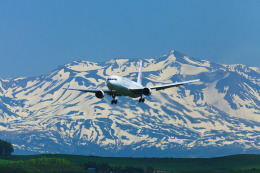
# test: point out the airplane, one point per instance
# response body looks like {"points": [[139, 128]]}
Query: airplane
{"points": [[121, 86]]}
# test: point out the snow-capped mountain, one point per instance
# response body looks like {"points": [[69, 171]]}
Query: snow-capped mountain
{"points": [[219, 115]]}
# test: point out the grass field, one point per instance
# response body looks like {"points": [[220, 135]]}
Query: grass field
{"points": [[236, 163]]}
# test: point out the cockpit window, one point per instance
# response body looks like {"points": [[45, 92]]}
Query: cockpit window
{"points": [[112, 79]]}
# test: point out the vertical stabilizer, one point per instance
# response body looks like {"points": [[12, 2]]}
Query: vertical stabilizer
{"points": [[139, 79]]}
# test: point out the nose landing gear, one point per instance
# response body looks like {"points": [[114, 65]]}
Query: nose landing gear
{"points": [[114, 101]]}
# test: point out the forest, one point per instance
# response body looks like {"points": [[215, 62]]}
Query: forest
{"points": [[6, 148]]}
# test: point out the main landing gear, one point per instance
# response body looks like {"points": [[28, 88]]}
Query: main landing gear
{"points": [[141, 100], [114, 101]]}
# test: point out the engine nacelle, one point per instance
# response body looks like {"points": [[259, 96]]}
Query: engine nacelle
{"points": [[100, 94], [147, 91]]}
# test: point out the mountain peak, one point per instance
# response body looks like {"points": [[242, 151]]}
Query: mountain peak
{"points": [[172, 52]]}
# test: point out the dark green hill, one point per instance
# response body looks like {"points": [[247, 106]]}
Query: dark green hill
{"points": [[40, 165], [235, 163]]}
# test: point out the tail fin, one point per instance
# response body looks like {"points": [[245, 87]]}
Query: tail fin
{"points": [[139, 79]]}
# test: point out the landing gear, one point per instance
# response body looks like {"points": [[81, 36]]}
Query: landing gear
{"points": [[114, 101], [141, 100]]}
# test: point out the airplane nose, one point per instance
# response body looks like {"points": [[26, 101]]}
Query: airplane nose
{"points": [[108, 82]]}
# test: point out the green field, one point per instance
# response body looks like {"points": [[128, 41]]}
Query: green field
{"points": [[236, 163]]}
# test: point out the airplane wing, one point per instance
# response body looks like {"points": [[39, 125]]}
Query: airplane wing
{"points": [[162, 87], [89, 90]]}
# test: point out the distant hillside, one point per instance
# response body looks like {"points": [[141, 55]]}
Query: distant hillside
{"points": [[220, 115], [235, 163]]}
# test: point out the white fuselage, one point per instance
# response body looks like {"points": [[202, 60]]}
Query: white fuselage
{"points": [[122, 86]]}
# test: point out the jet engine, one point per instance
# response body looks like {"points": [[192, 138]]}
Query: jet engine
{"points": [[100, 94], [147, 91]]}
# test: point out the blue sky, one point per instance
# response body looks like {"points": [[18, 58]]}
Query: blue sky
{"points": [[38, 36]]}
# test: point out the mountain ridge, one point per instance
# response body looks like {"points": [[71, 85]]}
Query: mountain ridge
{"points": [[219, 114]]}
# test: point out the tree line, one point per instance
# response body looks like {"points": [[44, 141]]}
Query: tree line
{"points": [[6, 148]]}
